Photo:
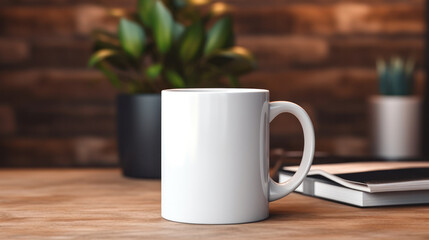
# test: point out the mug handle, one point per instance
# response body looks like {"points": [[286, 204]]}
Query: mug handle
{"points": [[279, 190]]}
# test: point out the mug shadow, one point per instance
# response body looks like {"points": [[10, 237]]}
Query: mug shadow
{"points": [[290, 213]]}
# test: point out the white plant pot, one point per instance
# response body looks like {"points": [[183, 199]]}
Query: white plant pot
{"points": [[396, 126]]}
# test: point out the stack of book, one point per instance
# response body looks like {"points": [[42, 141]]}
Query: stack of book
{"points": [[366, 184]]}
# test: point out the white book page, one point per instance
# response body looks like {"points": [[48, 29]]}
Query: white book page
{"points": [[339, 168], [327, 171]]}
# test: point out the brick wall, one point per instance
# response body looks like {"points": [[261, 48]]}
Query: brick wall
{"points": [[317, 53]]}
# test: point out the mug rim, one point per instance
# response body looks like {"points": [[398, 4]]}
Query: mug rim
{"points": [[215, 90]]}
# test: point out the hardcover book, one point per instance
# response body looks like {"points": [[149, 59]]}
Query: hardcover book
{"points": [[366, 184]]}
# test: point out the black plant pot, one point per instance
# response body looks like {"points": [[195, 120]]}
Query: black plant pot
{"points": [[139, 135]]}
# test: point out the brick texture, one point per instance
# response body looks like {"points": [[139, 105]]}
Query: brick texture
{"points": [[7, 121], [13, 51], [54, 111]]}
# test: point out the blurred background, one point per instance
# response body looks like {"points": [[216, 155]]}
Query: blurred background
{"points": [[321, 54]]}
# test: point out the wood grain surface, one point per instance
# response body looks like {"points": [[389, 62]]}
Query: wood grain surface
{"points": [[101, 204]]}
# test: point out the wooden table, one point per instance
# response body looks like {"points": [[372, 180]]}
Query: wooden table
{"points": [[101, 204]]}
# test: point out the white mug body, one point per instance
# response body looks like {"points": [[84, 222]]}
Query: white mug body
{"points": [[215, 156], [215, 153]]}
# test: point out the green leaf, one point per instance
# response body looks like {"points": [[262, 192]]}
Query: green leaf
{"points": [[104, 39], [235, 61], [178, 30], [175, 79], [397, 76], [114, 80], [220, 36], [145, 10], [99, 56], [109, 41], [163, 27], [114, 56], [153, 71], [179, 3], [383, 77], [131, 37], [191, 42]]}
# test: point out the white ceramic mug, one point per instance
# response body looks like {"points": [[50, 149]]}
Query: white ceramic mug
{"points": [[215, 155]]}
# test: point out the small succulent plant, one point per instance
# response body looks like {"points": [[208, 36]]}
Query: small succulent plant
{"points": [[396, 77], [171, 44]]}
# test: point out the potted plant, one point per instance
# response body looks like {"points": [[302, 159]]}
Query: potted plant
{"points": [[396, 113], [164, 44]]}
